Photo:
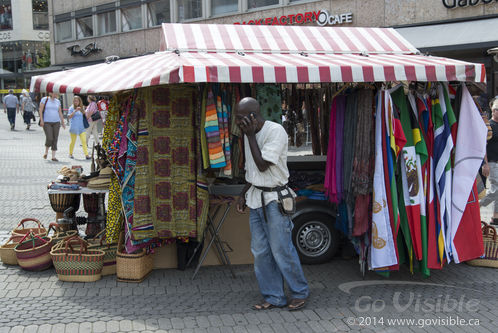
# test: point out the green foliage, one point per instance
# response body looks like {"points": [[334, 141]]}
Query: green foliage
{"points": [[44, 59]]}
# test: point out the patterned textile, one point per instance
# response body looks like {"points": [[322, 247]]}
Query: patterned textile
{"points": [[166, 201], [211, 126], [224, 110], [203, 143], [268, 96], [114, 216]]}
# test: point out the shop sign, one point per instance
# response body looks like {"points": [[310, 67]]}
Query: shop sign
{"points": [[465, 3], [43, 35], [321, 17], [87, 50], [7, 35]]}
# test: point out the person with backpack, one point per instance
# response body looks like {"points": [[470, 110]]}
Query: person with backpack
{"points": [[27, 108]]}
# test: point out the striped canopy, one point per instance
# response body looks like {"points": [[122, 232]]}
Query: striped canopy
{"points": [[265, 54]]}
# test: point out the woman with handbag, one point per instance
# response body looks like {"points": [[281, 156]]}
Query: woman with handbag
{"points": [[78, 126], [27, 108], [51, 119], [93, 116]]}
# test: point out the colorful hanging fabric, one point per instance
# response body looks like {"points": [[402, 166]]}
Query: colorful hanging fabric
{"points": [[223, 111], [211, 126], [465, 234], [114, 216], [350, 121], [382, 248], [166, 179], [268, 96], [339, 140], [443, 119], [331, 190], [203, 143]]}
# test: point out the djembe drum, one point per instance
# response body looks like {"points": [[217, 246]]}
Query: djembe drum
{"points": [[91, 205], [62, 201]]}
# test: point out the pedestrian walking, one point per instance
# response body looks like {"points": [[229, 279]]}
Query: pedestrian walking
{"points": [[266, 194], [11, 107], [51, 119], [490, 167], [91, 111], [27, 108], [76, 115]]}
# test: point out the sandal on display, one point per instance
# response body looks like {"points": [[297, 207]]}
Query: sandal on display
{"points": [[264, 306], [296, 304]]}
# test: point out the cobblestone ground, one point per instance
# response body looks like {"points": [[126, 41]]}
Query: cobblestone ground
{"points": [[169, 301]]}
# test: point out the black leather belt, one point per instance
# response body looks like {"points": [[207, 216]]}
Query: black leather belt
{"points": [[268, 189]]}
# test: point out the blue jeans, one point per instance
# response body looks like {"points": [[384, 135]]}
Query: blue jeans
{"points": [[275, 257], [11, 115]]}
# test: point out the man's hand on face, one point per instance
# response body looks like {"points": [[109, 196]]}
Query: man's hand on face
{"points": [[249, 125]]}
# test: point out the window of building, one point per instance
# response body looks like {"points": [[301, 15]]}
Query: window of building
{"points": [[84, 27], [5, 15], [131, 15], [158, 12], [189, 9], [261, 3], [106, 20], [64, 30], [40, 14], [224, 6]]}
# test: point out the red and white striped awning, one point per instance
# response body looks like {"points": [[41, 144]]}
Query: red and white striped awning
{"points": [[265, 54], [282, 39]]}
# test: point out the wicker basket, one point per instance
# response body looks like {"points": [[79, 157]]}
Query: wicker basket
{"points": [[132, 267], [7, 253], [60, 234], [20, 231], [77, 264], [33, 252], [490, 240], [99, 243]]}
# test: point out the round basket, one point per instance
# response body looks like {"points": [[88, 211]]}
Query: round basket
{"points": [[77, 264], [59, 234], [7, 253], [20, 231], [99, 243], [33, 253]]}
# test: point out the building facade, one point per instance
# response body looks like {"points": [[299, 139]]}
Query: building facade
{"points": [[87, 31], [24, 33]]}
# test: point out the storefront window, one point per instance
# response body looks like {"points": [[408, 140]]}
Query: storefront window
{"points": [[5, 15], [64, 30], [261, 3], [224, 6], [40, 14], [189, 9], [84, 27], [131, 18], [106, 23], [158, 12]]}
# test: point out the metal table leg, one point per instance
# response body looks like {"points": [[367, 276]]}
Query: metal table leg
{"points": [[214, 232]]}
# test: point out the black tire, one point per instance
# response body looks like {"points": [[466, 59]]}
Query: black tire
{"points": [[315, 238]]}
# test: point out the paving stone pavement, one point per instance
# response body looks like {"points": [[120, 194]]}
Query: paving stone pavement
{"points": [[169, 301]]}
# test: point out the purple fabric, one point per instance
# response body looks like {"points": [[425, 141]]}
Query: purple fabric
{"points": [[339, 139]]}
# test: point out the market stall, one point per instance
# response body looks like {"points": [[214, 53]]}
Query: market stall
{"points": [[170, 126]]}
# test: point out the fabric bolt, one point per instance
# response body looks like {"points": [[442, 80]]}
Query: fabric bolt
{"points": [[73, 142], [339, 139], [76, 123], [275, 257], [350, 121], [51, 130], [51, 109], [211, 126], [166, 200], [268, 96]]}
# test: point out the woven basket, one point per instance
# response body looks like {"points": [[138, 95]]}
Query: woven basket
{"points": [[7, 253], [20, 231], [59, 233], [33, 252], [99, 243], [132, 267], [77, 265], [490, 240]]}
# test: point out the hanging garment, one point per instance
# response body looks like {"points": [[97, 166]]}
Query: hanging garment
{"points": [[268, 96], [330, 169], [443, 118], [211, 126], [166, 176], [114, 217], [469, 152], [203, 143], [350, 120], [339, 140], [382, 248], [223, 111]]}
